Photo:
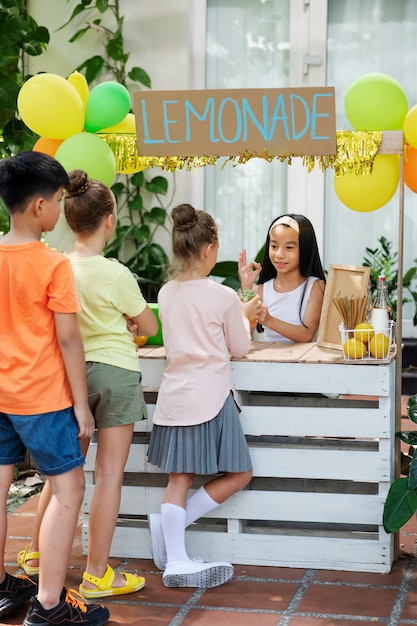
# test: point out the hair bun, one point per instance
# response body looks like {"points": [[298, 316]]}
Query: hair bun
{"points": [[184, 217], [182, 227], [79, 183]]}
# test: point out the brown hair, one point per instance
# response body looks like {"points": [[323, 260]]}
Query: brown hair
{"points": [[86, 203], [192, 231]]}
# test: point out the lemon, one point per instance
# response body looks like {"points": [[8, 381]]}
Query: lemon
{"points": [[354, 349], [364, 332], [140, 340], [379, 345]]}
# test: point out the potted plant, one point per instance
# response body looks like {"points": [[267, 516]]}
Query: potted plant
{"points": [[401, 502], [382, 260]]}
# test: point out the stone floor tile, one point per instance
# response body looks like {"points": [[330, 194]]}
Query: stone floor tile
{"points": [[344, 600], [237, 593]]}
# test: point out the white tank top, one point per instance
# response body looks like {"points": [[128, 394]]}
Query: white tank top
{"points": [[286, 306]]}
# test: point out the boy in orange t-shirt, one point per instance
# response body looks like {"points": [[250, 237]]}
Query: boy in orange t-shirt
{"points": [[43, 392]]}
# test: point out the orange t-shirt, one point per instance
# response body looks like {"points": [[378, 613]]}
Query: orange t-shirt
{"points": [[35, 282]]}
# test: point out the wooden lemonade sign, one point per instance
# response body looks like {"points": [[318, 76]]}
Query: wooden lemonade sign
{"points": [[231, 122]]}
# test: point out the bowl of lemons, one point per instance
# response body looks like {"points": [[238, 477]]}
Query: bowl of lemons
{"points": [[366, 343]]}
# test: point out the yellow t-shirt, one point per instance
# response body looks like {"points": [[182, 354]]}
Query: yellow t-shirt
{"points": [[107, 291], [35, 282]]}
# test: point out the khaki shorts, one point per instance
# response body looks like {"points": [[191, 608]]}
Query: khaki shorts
{"points": [[115, 395]]}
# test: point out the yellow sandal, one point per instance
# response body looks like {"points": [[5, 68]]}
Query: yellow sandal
{"points": [[23, 556], [104, 585]]}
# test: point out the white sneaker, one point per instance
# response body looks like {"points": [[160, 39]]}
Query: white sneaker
{"points": [[196, 574], [157, 542]]}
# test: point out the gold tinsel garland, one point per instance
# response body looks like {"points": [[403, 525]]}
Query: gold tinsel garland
{"points": [[355, 152]]}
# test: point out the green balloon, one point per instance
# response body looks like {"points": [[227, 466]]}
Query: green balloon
{"points": [[88, 152], [107, 105], [375, 101]]}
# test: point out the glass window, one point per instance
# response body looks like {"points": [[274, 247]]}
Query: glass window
{"points": [[363, 37], [247, 46]]}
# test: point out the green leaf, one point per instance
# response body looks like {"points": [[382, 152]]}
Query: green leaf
{"points": [[140, 76], [92, 66], [400, 505], [411, 408], [156, 215], [232, 282], [137, 179], [8, 58], [225, 269], [102, 5], [78, 9], [114, 48], [158, 184], [9, 90], [8, 4], [136, 204], [118, 188], [409, 437], [16, 137], [79, 34], [260, 255], [412, 476], [409, 276], [33, 48], [40, 34]]}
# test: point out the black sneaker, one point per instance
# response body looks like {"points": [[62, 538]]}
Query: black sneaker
{"points": [[72, 609], [15, 591]]}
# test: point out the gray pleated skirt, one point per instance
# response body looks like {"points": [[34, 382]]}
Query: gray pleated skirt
{"points": [[216, 446]]}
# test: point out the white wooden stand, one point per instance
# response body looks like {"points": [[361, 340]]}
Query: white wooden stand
{"points": [[322, 466]]}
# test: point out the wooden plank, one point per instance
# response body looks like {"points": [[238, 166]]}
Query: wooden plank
{"points": [[269, 550], [152, 369], [315, 421], [293, 462], [341, 378], [297, 352], [266, 352], [152, 352], [318, 354], [301, 507], [392, 143]]}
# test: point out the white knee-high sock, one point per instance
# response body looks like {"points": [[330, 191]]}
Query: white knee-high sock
{"points": [[198, 505], [173, 526]]}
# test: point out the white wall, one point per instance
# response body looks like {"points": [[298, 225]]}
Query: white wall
{"points": [[155, 34]]}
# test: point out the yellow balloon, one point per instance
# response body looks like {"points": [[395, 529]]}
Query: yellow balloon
{"points": [[80, 83], [410, 127], [51, 107], [126, 127], [368, 192]]}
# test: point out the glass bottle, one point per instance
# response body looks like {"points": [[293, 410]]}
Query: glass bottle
{"points": [[382, 308]]}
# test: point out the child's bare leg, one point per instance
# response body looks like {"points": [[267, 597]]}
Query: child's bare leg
{"points": [[44, 500], [56, 534], [112, 452], [213, 493], [222, 487], [177, 489], [6, 478]]}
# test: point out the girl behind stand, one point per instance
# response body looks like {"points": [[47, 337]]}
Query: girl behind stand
{"points": [[291, 280], [196, 422]]}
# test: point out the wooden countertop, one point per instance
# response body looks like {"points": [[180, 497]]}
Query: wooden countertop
{"points": [[273, 352]]}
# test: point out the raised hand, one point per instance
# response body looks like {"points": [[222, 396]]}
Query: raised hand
{"points": [[248, 272]]}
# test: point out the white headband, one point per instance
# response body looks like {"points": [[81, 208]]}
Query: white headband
{"points": [[288, 221]]}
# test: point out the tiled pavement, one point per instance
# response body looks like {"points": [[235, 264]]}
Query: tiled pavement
{"points": [[256, 596]]}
